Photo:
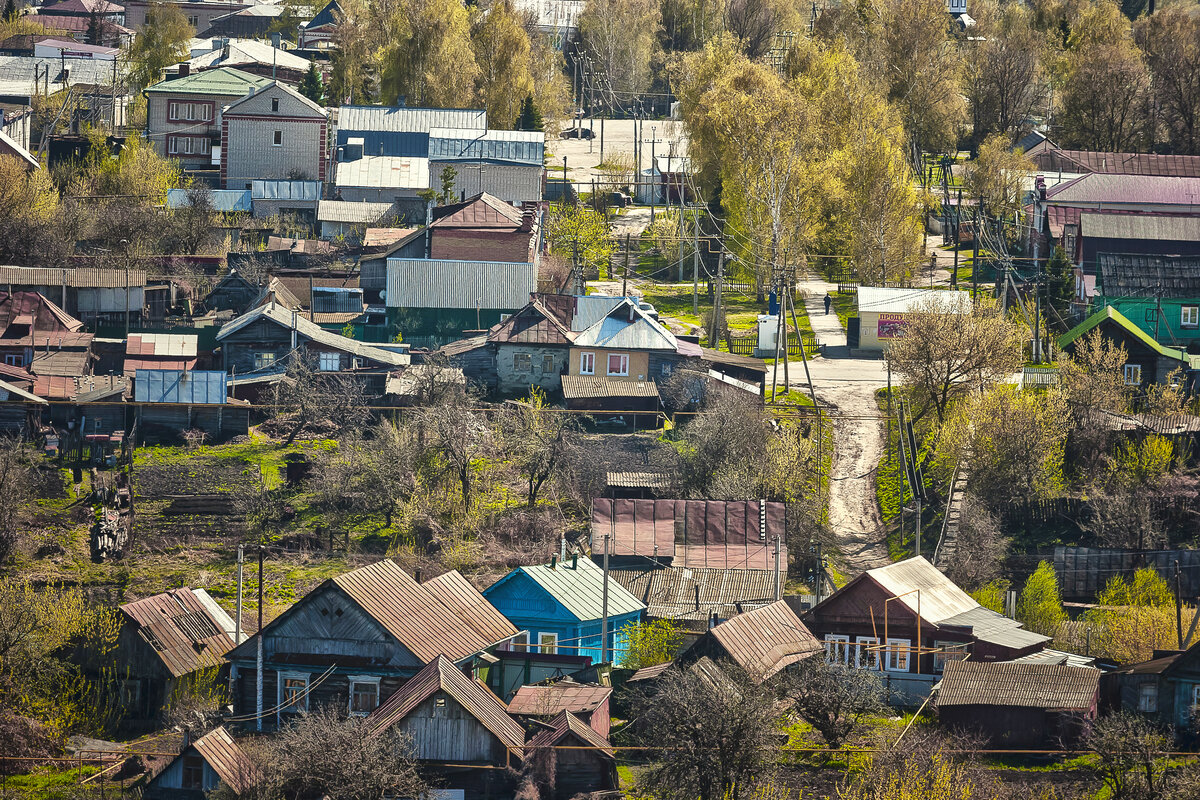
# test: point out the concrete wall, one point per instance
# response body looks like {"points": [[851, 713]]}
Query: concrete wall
{"points": [[545, 367]]}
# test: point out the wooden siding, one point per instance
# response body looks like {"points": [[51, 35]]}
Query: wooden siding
{"points": [[442, 730], [581, 771]]}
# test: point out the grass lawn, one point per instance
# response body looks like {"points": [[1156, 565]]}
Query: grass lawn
{"points": [[845, 306]]}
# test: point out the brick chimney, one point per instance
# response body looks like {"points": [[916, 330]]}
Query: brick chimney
{"points": [[185, 69]]}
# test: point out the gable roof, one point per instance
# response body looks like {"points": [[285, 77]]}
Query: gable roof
{"points": [[230, 762], [236, 52], [694, 594], [41, 312], [481, 211], [922, 588], [310, 330], [326, 16], [185, 627], [565, 726], [275, 87], [578, 586], [1144, 275], [1024, 685], [766, 640], [533, 324], [440, 674], [626, 327], [1163, 227], [1096, 187], [1109, 313], [457, 594], [219, 82], [555, 698]]}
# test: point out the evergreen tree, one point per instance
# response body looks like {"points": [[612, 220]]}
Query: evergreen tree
{"points": [[95, 33], [10, 11], [1040, 606], [530, 118], [312, 86], [1060, 287]]}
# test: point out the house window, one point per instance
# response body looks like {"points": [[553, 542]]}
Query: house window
{"points": [[618, 364], [278, 138], [548, 643], [548, 365], [947, 651], [293, 692], [184, 111], [519, 643], [188, 145], [522, 362], [194, 20], [837, 648], [587, 363], [666, 369], [1148, 698], [897, 655], [1189, 316], [14, 359], [364, 695], [274, 103], [193, 772], [331, 362], [263, 360], [868, 652], [1133, 374]]}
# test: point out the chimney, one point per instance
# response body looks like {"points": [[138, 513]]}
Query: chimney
{"points": [[553, 562], [575, 560], [185, 69], [417, 574], [528, 210]]}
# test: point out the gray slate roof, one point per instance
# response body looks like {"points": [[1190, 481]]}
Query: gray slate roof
{"points": [[315, 333], [1135, 275], [1048, 686], [580, 588], [1139, 226], [988, 626], [405, 120]]}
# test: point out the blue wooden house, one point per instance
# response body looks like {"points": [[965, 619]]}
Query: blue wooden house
{"points": [[1165, 689], [559, 607]]}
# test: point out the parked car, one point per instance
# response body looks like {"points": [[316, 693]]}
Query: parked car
{"points": [[577, 133], [647, 309]]}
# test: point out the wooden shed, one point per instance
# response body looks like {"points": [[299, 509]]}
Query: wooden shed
{"points": [[588, 702], [209, 762], [583, 760]]}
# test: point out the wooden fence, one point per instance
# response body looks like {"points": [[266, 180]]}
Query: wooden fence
{"points": [[1084, 571], [746, 345]]}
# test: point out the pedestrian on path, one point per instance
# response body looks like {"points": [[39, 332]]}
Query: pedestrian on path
{"points": [[828, 303]]}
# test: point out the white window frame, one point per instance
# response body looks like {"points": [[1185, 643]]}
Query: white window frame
{"points": [[545, 636], [331, 362], [264, 360], [955, 651], [1189, 316], [1133, 371], [365, 680], [519, 643], [277, 139], [281, 679], [837, 648], [897, 655], [864, 658], [1148, 700], [587, 363], [624, 364]]}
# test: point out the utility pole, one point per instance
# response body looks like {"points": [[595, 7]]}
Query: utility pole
{"points": [[778, 581], [975, 257], [237, 623], [714, 336], [779, 332], [804, 359], [258, 636], [1178, 605], [625, 275], [696, 264], [604, 600]]}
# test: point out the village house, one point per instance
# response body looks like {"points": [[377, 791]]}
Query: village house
{"points": [[173, 400], [1147, 361], [249, 55], [90, 294], [1017, 704], [318, 33], [1165, 689], [183, 115], [588, 703], [762, 642], [199, 13], [1158, 293], [38, 336], [882, 312], [256, 21], [232, 293], [584, 761], [274, 133], [166, 643], [456, 725], [212, 761], [1065, 165], [365, 633], [1130, 235], [560, 606], [112, 34], [908, 620]]}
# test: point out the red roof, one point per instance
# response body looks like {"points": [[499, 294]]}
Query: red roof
{"points": [[480, 211], [31, 308], [181, 629], [567, 726], [544, 701]]}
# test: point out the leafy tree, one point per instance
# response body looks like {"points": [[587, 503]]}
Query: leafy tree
{"points": [[1133, 618], [1039, 606], [530, 118], [312, 86], [650, 643], [25, 195], [138, 170], [502, 51], [715, 737], [947, 353], [1170, 41], [1060, 287], [996, 177], [832, 697], [619, 37], [1092, 376], [427, 59], [1004, 79], [161, 42], [580, 234], [535, 439], [992, 594]]}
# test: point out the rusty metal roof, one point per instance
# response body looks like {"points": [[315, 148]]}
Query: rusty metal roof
{"points": [[229, 761], [565, 726], [766, 640], [185, 631], [464, 600], [650, 673], [721, 534], [533, 324], [1049, 686], [1178, 166], [567, 695], [638, 480], [440, 674], [421, 618]]}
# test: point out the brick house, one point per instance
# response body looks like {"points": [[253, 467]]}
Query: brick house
{"points": [[275, 133]]}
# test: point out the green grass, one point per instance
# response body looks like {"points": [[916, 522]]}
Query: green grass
{"points": [[845, 306]]}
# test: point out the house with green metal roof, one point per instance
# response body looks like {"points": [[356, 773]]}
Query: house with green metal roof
{"points": [[560, 608], [1158, 293], [1148, 361], [183, 114]]}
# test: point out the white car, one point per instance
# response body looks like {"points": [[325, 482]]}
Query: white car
{"points": [[647, 309]]}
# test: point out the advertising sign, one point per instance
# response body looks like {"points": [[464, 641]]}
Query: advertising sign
{"points": [[891, 325]]}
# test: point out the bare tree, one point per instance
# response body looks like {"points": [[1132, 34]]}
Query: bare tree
{"points": [[1130, 755], [715, 736], [535, 439], [1004, 80], [458, 434], [980, 548], [312, 398], [369, 474], [16, 486], [833, 697]]}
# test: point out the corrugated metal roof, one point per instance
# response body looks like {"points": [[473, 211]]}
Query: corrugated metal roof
{"points": [[162, 344], [650, 673], [440, 674], [694, 533], [457, 594], [1049, 656], [579, 588], [565, 695], [583, 387], [1118, 163], [221, 82], [238, 52], [65, 363], [345, 211], [17, 72], [1009, 684], [481, 211], [1150, 190], [428, 283], [1138, 275], [565, 726], [590, 309], [384, 172], [229, 761], [901, 301], [686, 593], [922, 583], [183, 630], [1161, 227], [310, 330], [989, 626], [766, 640], [456, 144], [197, 387], [403, 119], [80, 278], [419, 618], [626, 327]]}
